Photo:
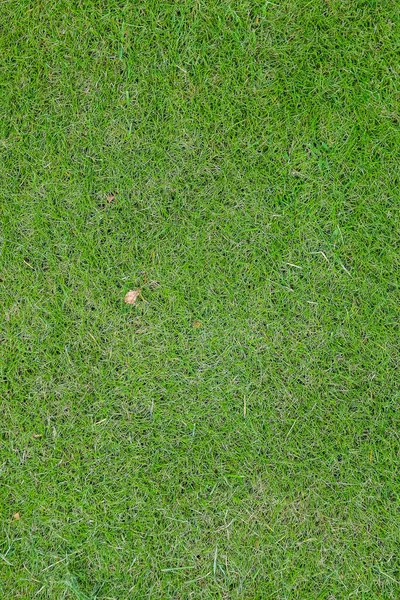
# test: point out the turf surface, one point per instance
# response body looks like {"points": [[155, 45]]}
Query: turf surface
{"points": [[235, 433]]}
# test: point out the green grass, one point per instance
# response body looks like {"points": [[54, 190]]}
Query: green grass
{"points": [[253, 151]]}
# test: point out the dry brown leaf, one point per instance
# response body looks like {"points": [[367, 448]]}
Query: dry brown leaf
{"points": [[196, 324], [132, 296], [110, 198], [16, 516]]}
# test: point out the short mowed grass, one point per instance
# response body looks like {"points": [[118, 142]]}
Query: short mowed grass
{"points": [[235, 433]]}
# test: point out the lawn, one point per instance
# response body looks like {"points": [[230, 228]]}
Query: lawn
{"points": [[234, 434]]}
